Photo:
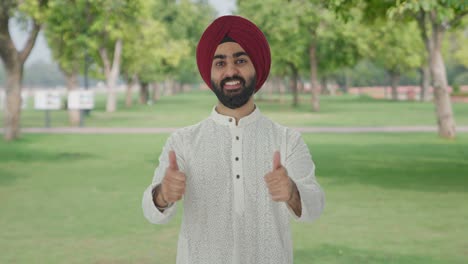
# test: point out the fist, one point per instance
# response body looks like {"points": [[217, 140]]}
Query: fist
{"points": [[279, 185], [173, 184]]}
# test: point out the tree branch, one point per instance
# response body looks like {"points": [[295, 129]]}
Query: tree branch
{"points": [[458, 17], [23, 54], [421, 19], [117, 55], [105, 61]]}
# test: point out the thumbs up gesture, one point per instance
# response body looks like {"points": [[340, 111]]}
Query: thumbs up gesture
{"points": [[278, 182], [173, 184]]}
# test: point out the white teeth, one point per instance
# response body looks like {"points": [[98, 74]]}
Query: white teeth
{"points": [[232, 83]]}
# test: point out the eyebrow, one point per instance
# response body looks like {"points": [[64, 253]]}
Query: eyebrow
{"points": [[235, 55]]}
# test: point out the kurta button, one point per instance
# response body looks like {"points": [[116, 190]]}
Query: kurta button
{"points": [[237, 138], [230, 119], [237, 158], [237, 176]]}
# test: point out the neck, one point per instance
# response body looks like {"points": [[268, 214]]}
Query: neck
{"points": [[237, 113]]}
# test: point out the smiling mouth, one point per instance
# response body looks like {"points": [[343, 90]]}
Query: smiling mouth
{"points": [[232, 85]]}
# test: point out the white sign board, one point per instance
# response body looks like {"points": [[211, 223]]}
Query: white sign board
{"points": [[80, 100], [47, 100], [24, 99], [3, 100]]}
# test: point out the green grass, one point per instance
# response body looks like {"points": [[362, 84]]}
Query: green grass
{"points": [[390, 198], [189, 108]]}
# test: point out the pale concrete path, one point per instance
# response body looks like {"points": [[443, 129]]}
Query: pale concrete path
{"points": [[162, 130]]}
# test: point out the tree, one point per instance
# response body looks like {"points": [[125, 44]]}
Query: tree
{"points": [[33, 12], [166, 44], [108, 24], [185, 20], [279, 21], [396, 47], [297, 27], [66, 31], [441, 15], [434, 18]]}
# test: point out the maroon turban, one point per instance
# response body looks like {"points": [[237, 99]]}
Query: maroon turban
{"points": [[246, 34]]}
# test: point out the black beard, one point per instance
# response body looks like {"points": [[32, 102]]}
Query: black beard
{"points": [[236, 100]]}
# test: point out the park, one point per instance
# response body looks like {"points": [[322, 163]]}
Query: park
{"points": [[393, 170]]}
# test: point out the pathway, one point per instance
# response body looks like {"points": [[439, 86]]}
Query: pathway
{"points": [[143, 130]]}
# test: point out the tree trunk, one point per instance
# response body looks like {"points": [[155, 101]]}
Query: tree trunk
{"points": [[72, 84], [129, 93], [323, 85], [425, 82], [300, 85], [169, 87], [13, 60], [112, 73], [156, 92], [13, 101], [347, 81], [443, 105], [293, 82], [394, 81], [144, 93], [315, 88], [282, 89]]}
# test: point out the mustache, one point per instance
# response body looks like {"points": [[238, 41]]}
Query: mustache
{"points": [[233, 78]]}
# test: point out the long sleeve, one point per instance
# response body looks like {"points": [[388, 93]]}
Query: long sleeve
{"points": [[301, 169], [149, 209]]}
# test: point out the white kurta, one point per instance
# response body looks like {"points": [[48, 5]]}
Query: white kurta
{"points": [[229, 216]]}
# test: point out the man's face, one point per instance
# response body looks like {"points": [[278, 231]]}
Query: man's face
{"points": [[232, 75]]}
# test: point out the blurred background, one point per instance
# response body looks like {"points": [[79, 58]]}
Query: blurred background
{"points": [[91, 89]]}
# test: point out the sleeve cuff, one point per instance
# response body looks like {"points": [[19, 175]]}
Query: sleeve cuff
{"points": [[153, 214]]}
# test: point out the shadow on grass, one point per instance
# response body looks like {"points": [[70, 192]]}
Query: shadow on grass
{"points": [[7, 177], [19, 153], [332, 254], [420, 167], [27, 155]]}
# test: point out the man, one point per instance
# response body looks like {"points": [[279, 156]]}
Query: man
{"points": [[241, 175]]}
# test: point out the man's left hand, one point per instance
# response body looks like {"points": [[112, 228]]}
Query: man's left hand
{"points": [[278, 182]]}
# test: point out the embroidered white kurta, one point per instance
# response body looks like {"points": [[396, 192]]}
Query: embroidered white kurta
{"points": [[229, 216]]}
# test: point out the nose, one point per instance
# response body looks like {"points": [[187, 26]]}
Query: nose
{"points": [[231, 70]]}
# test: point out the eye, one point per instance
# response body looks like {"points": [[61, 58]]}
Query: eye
{"points": [[241, 61], [219, 63]]}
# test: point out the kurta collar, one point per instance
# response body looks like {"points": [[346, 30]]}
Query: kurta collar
{"points": [[231, 121]]}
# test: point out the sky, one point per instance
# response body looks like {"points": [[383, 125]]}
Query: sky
{"points": [[41, 51]]}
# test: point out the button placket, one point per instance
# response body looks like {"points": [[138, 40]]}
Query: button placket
{"points": [[236, 134]]}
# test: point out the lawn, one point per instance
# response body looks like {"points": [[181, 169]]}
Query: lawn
{"points": [[391, 198], [189, 108]]}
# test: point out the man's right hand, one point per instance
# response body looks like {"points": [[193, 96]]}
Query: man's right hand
{"points": [[173, 185]]}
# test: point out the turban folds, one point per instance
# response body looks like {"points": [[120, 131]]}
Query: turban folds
{"points": [[246, 34]]}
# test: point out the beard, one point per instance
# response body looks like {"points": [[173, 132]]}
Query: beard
{"points": [[237, 98]]}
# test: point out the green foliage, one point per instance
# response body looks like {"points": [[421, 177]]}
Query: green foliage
{"points": [[163, 43], [341, 45], [461, 79], [280, 22], [186, 20], [397, 47], [36, 10], [67, 33], [291, 27], [455, 49]]}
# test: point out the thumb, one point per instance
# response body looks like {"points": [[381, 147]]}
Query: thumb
{"points": [[276, 160], [173, 161]]}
